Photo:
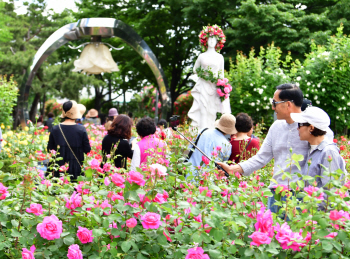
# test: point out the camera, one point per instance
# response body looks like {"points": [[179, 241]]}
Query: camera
{"points": [[174, 121]]}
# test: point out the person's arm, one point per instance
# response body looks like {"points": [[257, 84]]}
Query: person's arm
{"points": [[51, 145], [222, 68], [264, 155], [86, 143], [136, 158]]}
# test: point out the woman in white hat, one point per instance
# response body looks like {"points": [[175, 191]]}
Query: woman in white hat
{"points": [[312, 125], [70, 140]]}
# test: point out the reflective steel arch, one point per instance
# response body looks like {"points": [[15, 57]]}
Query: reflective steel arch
{"points": [[85, 28]]}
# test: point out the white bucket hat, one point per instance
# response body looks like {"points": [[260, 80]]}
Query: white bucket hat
{"points": [[314, 116]]}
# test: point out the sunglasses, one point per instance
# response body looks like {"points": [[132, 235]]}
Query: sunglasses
{"points": [[274, 102], [303, 124]]}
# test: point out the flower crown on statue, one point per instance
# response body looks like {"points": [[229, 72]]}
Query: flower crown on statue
{"points": [[212, 31]]}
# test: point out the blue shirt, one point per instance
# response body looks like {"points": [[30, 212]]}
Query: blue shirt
{"points": [[320, 156], [208, 141]]}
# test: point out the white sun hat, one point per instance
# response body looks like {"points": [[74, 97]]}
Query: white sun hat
{"points": [[314, 116]]}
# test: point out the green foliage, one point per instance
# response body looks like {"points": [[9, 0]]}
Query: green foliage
{"points": [[254, 80], [324, 78], [8, 99]]}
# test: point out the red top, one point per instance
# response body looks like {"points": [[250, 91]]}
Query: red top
{"points": [[238, 149]]}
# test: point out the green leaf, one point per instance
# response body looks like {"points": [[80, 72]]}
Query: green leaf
{"points": [[214, 253], [14, 223], [217, 234], [233, 249], [15, 233], [1, 164], [53, 248], [249, 252], [126, 245], [68, 240], [156, 248], [326, 245], [162, 240], [88, 174], [97, 232]]}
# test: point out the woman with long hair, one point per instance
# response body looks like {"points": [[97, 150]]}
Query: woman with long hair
{"points": [[116, 143]]}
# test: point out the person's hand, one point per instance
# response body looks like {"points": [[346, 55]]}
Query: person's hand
{"points": [[229, 169]]}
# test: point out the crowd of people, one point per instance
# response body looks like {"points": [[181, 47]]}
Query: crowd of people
{"points": [[304, 132]]}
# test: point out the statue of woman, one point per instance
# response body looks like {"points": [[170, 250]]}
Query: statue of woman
{"points": [[206, 100]]}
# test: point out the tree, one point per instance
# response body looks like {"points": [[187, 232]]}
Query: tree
{"points": [[290, 24], [29, 32], [163, 26]]}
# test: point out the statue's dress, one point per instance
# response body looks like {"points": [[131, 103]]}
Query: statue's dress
{"points": [[206, 101]]}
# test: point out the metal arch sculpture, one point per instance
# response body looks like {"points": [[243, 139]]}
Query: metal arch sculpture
{"points": [[87, 27]]}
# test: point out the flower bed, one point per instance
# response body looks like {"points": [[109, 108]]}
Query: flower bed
{"points": [[158, 213]]}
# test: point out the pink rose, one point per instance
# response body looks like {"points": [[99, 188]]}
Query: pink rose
{"points": [[74, 201], [94, 163], [332, 235], [84, 235], [158, 169], [46, 182], [51, 228], [28, 254], [107, 181], [227, 90], [311, 190], [159, 198], [131, 223], [63, 168], [205, 160], [264, 222], [220, 82], [227, 96], [259, 238], [136, 177], [220, 93], [104, 205], [80, 188], [335, 215], [151, 220], [107, 167], [74, 252], [196, 253], [35, 208], [118, 180]]}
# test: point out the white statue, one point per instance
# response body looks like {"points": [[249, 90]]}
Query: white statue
{"points": [[206, 100]]}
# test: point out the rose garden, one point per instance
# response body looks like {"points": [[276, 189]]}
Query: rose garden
{"points": [[166, 207]]}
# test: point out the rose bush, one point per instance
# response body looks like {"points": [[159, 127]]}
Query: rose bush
{"points": [[156, 212]]}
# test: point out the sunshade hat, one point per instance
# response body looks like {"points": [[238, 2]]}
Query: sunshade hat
{"points": [[75, 112], [227, 124]]}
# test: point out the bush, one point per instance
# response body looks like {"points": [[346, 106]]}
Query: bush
{"points": [[324, 78], [8, 99], [159, 213], [254, 80]]}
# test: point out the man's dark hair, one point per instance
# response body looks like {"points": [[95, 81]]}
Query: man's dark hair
{"points": [[306, 103], [130, 114], [317, 132], [163, 123], [244, 122], [291, 92], [145, 127], [50, 115]]}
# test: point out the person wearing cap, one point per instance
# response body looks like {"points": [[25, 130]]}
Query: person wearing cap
{"points": [[313, 124], [112, 114], [70, 140], [92, 117], [283, 135], [210, 139]]}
